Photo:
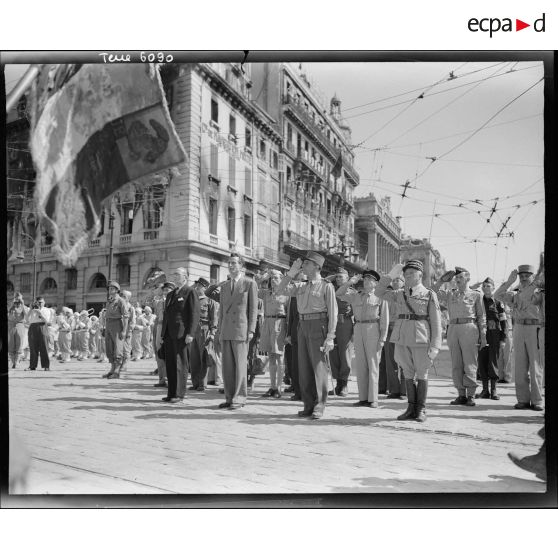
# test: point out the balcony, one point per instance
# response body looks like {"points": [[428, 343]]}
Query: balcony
{"points": [[300, 242], [125, 239], [46, 249], [95, 243], [152, 234]]}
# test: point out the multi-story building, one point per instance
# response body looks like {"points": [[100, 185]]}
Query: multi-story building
{"points": [[319, 177], [224, 198], [422, 249], [377, 232]]}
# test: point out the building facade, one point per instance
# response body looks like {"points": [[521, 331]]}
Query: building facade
{"points": [[318, 174], [422, 249], [224, 198], [377, 233]]}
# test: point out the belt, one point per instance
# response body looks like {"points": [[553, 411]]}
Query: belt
{"points": [[413, 317], [38, 323], [342, 317], [275, 316], [463, 321], [313, 316], [528, 321], [374, 321]]}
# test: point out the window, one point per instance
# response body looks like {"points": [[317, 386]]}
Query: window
{"points": [[262, 149], [215, 112], [273, 236], [102, 229], [25, 282], [329, 207], [123, 273], [214, 274], [248, 138], [263, 231], [127, 220], [231, 223], [99, 281], [71, 279], [275, 160], [248, 181], [212, 216], [214, 161], [232, 128], [289, 175], [247, 230], [232, 171], [262, 194], [273, 196], [153, 206]]}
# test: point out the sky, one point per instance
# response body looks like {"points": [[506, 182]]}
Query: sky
{"points": [[485, 128], [487, 146]]}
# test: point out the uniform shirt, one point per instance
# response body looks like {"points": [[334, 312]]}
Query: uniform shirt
{"points": [[273, 303], [495, 315], [17, 317], [520, 301], [313, 297], [424, 302], [343, 307], [117, 309], [466, 304], [367, 306], [208, 312]]}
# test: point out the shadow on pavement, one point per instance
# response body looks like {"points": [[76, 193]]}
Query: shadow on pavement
{"points": [[499, 483]]}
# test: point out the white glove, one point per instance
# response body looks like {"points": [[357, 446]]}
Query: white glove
{"points": [[396, 271], [433, 353]]}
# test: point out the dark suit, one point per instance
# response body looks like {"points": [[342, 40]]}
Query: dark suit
{"points": [[237, 318], [180, 318]]}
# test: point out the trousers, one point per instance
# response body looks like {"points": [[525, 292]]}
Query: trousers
{"points": [[367, 361], [340, 367], [488, 356], [528, 370], [177, 360], [464, 352], [234, 356], [312, 366], [161, 367], [114, 345], [38, 345], [198, 360], [395, 379], [413, 361]]}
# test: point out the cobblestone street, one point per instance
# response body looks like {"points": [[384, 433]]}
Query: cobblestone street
{"points": [[92, 436]]}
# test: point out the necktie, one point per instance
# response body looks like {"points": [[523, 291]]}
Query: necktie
{"points": [[232, 286]]}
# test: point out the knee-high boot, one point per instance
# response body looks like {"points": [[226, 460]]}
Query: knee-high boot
{"points": [[412, 400], [493, 394], [422, 391]]}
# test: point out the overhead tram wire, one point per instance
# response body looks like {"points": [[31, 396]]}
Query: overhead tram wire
{"points": [[437, 111]]}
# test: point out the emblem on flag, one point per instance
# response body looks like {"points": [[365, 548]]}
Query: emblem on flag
{"points": [[95, 128]]}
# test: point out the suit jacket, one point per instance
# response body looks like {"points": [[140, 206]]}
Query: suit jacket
{"points": [[181, 315], [238, 311]]}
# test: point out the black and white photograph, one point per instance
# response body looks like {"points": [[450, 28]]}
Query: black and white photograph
{"points": [[276, 275]]}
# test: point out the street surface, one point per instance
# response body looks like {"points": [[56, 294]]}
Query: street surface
{"points": [[89, 435]]}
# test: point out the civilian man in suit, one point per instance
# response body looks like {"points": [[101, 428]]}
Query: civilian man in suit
{"points": [[237, 324], [180, 320]]}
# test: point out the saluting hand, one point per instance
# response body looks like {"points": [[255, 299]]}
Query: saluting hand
{"points": [[355, 279], [396, 271], [513, 276], [296, 267]]}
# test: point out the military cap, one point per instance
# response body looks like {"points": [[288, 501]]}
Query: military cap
{"points": [[489, 280], [315, 257], [371, 273], [526, 269], [341, 270], [169, 285], [203, 282], [459, 270], [413, 264], [113, 284]]}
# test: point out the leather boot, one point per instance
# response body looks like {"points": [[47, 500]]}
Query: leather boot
{"points": [[343, 390], [409, 414], [110, 374], [484, 394], [422, 391], [493, 394]]}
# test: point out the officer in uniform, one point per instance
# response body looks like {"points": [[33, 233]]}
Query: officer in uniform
{"points": [[340, 367], [526, 342], [116, 325], [317, 309], [467, 330], [127, 352], [417, 332], [496, 333], [204, 334], [395, 378], [371, 326]]}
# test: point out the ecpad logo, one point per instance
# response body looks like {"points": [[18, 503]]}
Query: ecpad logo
{"points": [[494, 24]]}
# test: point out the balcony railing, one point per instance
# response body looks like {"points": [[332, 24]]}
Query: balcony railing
{"points": [[46, 249], [300, 242], [95, 243], [125, 238], [151, 234]]}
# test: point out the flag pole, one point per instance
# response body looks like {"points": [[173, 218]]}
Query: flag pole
{"points": [[22, 85]]}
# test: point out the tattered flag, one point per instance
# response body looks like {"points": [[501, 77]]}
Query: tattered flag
{"points": [[95, 128]]}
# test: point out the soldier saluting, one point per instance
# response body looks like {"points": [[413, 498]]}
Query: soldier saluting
{"points": [[316, 331], [417, 332]]}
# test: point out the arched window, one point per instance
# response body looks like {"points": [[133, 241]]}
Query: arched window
{"points": [[48, 286], [97, 282]]}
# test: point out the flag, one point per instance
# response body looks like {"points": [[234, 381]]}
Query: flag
{"points": [[95, 128], [338, 167]]}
